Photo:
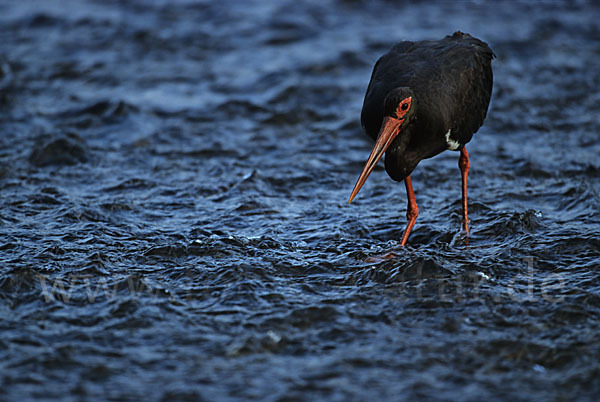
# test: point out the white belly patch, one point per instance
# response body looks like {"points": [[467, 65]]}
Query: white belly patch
{"points": [[452, 144]]}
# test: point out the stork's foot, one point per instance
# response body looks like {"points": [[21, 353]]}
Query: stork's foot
{"points": [[460, 238], [390, 255], [465, 226]]}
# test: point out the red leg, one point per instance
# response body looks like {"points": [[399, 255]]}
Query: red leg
{"points": [[463, 164], [412, 210]]}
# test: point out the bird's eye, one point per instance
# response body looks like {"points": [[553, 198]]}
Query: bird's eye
{"points": [[404, 106]]}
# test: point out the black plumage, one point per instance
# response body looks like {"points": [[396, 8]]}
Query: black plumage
{"points": [[426, 97]]}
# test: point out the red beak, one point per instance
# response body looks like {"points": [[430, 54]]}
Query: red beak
{"points": [[389, 130]]}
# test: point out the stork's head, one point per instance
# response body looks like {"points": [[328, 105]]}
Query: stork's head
{"points": [[398, 110]]}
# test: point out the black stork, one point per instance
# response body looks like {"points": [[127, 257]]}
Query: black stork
{"points": [[424, 98]]}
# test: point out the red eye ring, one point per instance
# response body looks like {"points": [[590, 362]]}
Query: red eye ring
{"points": [[403, 107]]}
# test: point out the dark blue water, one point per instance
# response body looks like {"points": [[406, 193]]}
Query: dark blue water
{"points": [[173, 217]]}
